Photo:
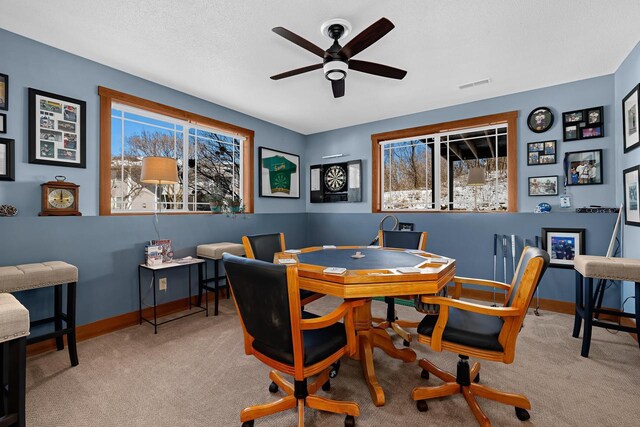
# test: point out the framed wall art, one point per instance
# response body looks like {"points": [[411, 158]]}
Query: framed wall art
{"points": [[541, 153], [583, 167], [583, 124], [3, 123], [279, 174], [7, 160], [631, 205], [4, 92], [543, 185], [57, 130], [563, 244], [540, 119], [630, 120]]}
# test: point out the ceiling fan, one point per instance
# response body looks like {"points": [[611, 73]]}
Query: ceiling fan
{"points": [[338, 59]]}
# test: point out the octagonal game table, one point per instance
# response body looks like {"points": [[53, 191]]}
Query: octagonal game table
{"points": [[374, 275]]}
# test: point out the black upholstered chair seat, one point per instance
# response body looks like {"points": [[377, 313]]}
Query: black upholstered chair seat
{"points": [[318, 344], [467, 328]]}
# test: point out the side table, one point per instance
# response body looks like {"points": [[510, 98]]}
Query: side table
{"points": [[164, 266]]}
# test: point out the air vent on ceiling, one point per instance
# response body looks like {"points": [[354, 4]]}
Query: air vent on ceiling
{"points": [[476, 83]]}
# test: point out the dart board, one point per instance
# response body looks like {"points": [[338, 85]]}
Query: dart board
{"points": [[335, 178]]}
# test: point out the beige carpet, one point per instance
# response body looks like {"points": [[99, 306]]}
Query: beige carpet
{"points": [[195, 373]]}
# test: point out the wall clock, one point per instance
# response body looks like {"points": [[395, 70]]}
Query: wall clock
{"points": [[540, 119], [59, 198]]}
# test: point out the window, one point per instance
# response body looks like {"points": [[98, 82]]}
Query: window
{"points": [[214, 159], [429, 168]]}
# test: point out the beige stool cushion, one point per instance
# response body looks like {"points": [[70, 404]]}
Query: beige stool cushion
{"points": [[31, 276], [14, 318], [601, 267], [215, 250]]}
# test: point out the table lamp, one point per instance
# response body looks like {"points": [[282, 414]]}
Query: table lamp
{"points": [[476, 179], [159, 171]]}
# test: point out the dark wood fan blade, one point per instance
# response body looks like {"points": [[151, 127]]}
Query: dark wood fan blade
{"points": [[303, 43], [296, 71], [377, 69], [338, 88], [366, 38]]}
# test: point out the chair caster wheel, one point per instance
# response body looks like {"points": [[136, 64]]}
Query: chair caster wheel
{"points": [[350, 421], [422, 405], [273, 388], [326, 386], [477, 378], [424, 374], [522, 414], [247, 423], [335, 368], [406, 343]]}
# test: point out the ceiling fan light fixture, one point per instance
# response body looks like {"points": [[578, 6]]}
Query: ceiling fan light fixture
{"points": [[335, 70]]}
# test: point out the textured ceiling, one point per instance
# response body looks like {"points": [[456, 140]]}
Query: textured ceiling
{"points": [[224, 51]]}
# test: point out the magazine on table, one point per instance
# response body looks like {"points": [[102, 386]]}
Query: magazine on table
{"points": [[167, 250]]}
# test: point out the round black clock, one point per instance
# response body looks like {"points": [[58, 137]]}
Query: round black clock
{"points": [[540, 119], [335, 178]]}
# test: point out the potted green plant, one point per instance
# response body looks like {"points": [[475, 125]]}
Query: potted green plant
{"points": [[216, 202], [235, 204]]}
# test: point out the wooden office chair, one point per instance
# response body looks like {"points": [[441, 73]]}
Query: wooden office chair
{"points": [[405, 240], [264, 247], [489, 333], [282, 336]]}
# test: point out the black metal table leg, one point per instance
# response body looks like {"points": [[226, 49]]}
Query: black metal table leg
{"points": [[71, 323], [140, 293], [189, 286], [215, 286], [200, 282], [57, 304], [155, 304], [206, 293], [588, 318], [577, 321]]}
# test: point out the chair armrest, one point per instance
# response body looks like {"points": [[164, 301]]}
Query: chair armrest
{"points": [[328, 319], [469, 306], [482, 282]]}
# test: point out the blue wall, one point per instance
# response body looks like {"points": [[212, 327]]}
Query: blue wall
{"points": [[627, 77]]}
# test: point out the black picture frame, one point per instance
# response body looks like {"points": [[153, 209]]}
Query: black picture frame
{"points": [[586, 123], [3, 123], [542, 153], [7, 160], [630, 120], [278, 172], [540, 119], [51, 143], [540, 188], [562, 245], [631, 188], [4, 92], [575, 175]]}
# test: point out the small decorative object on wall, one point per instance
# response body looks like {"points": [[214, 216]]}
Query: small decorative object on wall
{"points": [[541, 153], [336, 182], [583, 167], [631, 204], [630, 120], [57, 130], [543, 185], [563, 244], [279, 174], [3, 123], [540, 119], [7, 161], [60, 198], [4, 92], [583, 124], [8, 210]]}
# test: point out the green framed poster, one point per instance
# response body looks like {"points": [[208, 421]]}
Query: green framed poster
{"points": [[279, 174]]}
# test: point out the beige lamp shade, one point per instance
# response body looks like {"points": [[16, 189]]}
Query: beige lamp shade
{"points": [[476, 176], [159, 170]]}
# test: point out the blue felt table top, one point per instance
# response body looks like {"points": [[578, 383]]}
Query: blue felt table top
{"points": [[373, 259]]}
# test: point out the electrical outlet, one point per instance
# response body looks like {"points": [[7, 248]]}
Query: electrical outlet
{"points": [[162, 284]]}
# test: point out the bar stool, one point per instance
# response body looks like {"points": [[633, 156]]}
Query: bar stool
{"points": [[589, 267], [14, 328], [214, 251], [40, 275]]}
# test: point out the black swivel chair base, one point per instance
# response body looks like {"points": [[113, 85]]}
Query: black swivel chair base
{"points": [[466, 382]]}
